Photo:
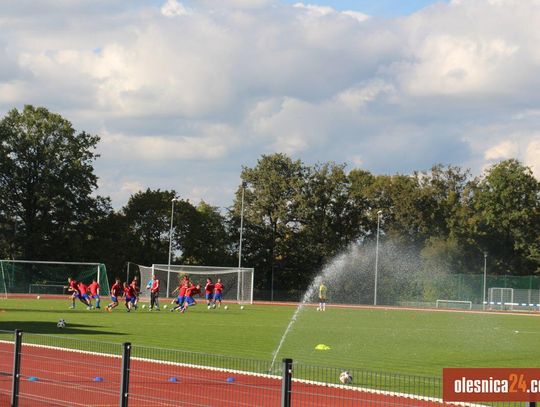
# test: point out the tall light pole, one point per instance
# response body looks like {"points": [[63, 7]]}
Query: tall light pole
{"points": [[379, 216], [240, 292], [485, 280], [175, 199], [244, 184]]}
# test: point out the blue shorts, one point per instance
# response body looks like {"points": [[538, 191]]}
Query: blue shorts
{"points": [[84, 297], [209, 296], [180, 300], [95, 297], [131, 300], [217, 297], [114, 299], [75, 294], [190, 301]]}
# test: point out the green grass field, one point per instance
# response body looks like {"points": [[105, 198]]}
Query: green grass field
{"points": [[402, 341]]}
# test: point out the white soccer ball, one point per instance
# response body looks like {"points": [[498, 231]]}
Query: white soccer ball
{"points": [[345, 378], [318, 309], [61, 324], [143, 306], [241, 307], [38, 297], [165, 306], [226, 307]]}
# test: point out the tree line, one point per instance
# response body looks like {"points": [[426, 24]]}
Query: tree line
{"points": [[296, 216]]}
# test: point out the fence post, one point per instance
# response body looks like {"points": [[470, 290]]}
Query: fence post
{"points": [[126, 358], [16, 368], [286, 383]]}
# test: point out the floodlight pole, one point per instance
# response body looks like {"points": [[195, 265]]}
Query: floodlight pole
{"points": [[244, 184], [170, 245], [485, 280], [239, 292], [379, 216]]}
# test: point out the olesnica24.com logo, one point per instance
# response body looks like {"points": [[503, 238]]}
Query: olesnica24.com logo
{"points": [[491, 384]]}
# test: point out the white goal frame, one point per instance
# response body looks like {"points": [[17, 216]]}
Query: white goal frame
{"points": [[205, 270], [469, 303], [59, 263], [498, 300]]}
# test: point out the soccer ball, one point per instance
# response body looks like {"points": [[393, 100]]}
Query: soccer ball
{"points": [[38, 297], [241, 307], [226, 307], [318, 308], [345, 378], [143, 306], [165, 307], [61, 324]]}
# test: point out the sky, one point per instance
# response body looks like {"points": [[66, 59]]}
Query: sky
{"points": [[185, 93]]}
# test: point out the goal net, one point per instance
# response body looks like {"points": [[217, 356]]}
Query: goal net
{"points": [[514, 298], [454, 304], [501, 298], [237, 283], [48, 277]]}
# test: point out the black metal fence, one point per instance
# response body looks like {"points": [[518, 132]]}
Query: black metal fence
{"points": [[46, 370]]}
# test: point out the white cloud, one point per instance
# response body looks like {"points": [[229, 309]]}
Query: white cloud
{"points": [[503, 150], [532, 156], [173, 8], [203, 87]]}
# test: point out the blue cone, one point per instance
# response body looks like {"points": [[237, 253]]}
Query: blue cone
{"points": [[98, 379], [230, 379], [173, 379], [33, 379]]}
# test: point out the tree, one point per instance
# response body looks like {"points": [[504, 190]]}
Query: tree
{"points": [[271, 198], [46, 182], [506, 218], [201, 235], [148, 217]]}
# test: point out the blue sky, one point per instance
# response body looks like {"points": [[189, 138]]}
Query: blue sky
{"points": [[185, 93], [382, 8]]}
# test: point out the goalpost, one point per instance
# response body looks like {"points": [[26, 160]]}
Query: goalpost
{"points": [[48, 277], [459, 304], [501, 297], [237, 282]]}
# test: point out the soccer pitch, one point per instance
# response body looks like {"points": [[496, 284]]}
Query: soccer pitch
{"points": [[404, 341]]}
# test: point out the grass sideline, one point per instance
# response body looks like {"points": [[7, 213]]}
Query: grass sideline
{"points": [[410, 342]]}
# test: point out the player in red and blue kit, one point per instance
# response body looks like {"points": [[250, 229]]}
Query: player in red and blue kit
{"points": [[74, 290], [209, 291], [218, 289], [136, 287], [116, 292], [129, 295], [190, 301], [182, 288], [83, 295], [94, 292]]}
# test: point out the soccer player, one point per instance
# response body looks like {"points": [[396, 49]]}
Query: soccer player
{"points": [[218, 289], [209, 291], [190, 301], [72, 288], [322, 296], [129, 296], [136, 287], [116, 291], [182, 288], [83, 295], [154, 293], [94, 292]]}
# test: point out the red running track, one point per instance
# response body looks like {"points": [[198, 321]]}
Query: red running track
{"points": [[60, 377]]}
